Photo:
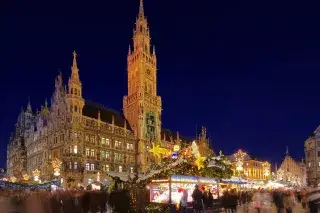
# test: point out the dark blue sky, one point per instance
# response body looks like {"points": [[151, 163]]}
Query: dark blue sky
{"points": [[247, 70]]}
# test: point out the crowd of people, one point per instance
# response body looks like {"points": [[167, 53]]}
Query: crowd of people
{"points": [[232, 201], [68, 201]]}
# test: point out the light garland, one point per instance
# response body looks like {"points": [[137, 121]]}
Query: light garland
{"points": [[36, 174], [239, 158], [199, 162], [13, 179], [56, 164], [98, 176], [20, 186], [266, 168]]}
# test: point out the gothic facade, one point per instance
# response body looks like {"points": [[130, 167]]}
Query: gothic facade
{"points": [[312, 154], [291, 171], [89, 138]]}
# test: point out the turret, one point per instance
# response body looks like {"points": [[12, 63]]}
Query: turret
{"points": [[74, 97]]}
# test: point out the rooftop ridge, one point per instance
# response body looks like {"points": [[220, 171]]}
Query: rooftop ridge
{"points": [[103, 106]]}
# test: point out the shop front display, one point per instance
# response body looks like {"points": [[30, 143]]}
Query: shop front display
{"points": [[162, 189]]}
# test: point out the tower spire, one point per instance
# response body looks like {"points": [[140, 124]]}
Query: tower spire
{"points": [[74, 60], [141, 11], [74, 69], [29, 109], [287, 150]]}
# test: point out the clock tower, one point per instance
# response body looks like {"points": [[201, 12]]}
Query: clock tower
{"points": [[142, 106]]}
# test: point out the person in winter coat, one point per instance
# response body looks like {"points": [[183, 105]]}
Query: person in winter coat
{"points": [[197, 199], [289, 201], [184, 201]]}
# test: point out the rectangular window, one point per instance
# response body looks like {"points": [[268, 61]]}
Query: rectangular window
{"points": [[75, 149], [87, 152], [92, 166], [309, 164], [120, 168], [70, 149], [103, 141], [116, 144], [107, 155], [131, 169], [117, 156], [128, 145], [107, 142], [75, 165], [87, 138], [103, 154], [92, 153], [318, 154], [70, 165], [106, 168], [75, 135], [87, 166], [92, 139]]}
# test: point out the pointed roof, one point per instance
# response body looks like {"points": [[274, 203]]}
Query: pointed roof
{"points": [[141, 10], [74, 69], [74, 64], [29, 108]]}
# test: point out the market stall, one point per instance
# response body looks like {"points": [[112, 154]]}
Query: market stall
{"points": [[170, 189]]}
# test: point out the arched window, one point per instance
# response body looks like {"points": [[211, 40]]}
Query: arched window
{"points": [[75, 108], [71, 91]]}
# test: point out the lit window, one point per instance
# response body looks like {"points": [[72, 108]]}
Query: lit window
{"points": [[131, 169], [87, 137], [75, 166], [117, 156], [75, 149], [92, 166], [92, 138], [103, 154], [70, 149], [70, 165], [87, 152], [92, 153], [87, 166], [120, 168], [107, 142], [120, 144], [107, 155], [128, 145], [106, 168], [75, 135], [103, 141], [116, 143]]}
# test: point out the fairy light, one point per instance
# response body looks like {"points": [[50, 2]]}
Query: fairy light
{"points": [[56, 164], [98, 176], [26, 177], [36, 174], [13, 179], [239, 158]]}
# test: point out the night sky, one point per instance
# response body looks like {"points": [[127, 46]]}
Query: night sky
{"points": [[247, 70]]}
